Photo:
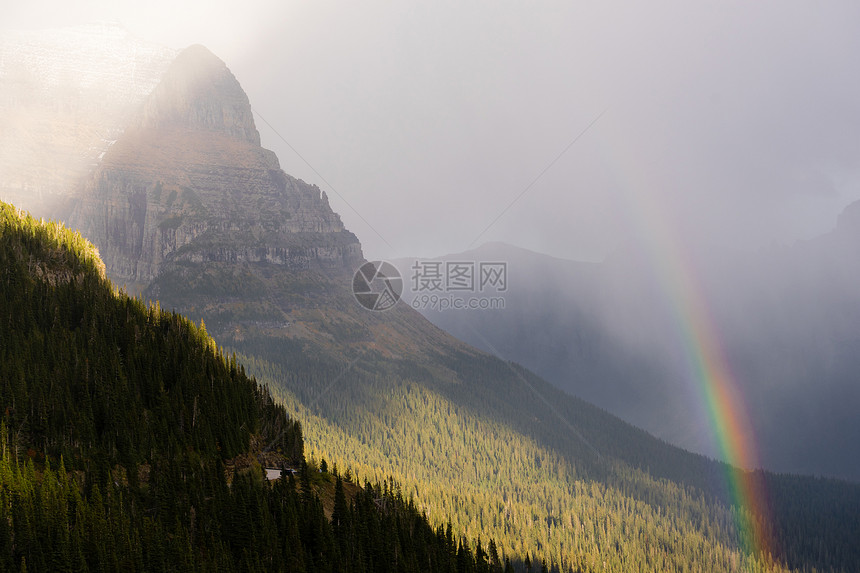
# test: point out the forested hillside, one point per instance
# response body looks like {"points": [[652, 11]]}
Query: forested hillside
{"points": [[506, 455], [129, 442]]}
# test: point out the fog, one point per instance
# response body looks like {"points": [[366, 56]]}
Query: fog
{"points": [[738, 121], [613, 333], [721, 136]]}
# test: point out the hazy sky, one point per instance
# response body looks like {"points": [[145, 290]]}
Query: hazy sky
{"points": [[738, 121]]}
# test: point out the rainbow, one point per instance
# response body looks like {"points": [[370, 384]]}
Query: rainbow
{"points": [[727, 416], [709, 370]]}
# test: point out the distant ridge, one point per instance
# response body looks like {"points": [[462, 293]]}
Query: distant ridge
{"points": [[788, 318]]}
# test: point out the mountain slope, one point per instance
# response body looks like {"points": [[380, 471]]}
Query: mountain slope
{"points": [[120, 421], [569, 483], [787, 318], [584, 327]]}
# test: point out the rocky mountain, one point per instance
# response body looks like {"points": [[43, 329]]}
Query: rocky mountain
{"points": [[65, 96], [188, 182], [91, 110]]}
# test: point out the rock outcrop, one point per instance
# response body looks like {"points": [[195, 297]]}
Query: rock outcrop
{"points": [[188, 182]]}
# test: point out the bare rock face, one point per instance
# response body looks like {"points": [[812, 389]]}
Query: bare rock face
{"points": [[199, 93], [65, 96], [188, 183]]}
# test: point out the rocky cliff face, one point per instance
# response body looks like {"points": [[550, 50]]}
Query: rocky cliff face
{"points": [[189, 183], [200, 94], [65, 96]]}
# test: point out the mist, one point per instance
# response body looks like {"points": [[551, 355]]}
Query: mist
{"points": [[424, 123], [615, 333], [598, 133]]}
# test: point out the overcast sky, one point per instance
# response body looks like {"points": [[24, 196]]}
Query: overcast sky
{"points": [[738, 121]]}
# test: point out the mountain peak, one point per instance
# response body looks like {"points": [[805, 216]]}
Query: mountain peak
{"points": [[198, 92], [189, 181]]}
